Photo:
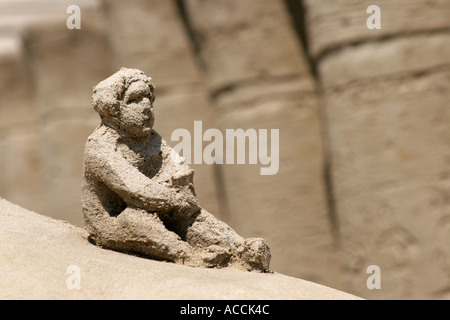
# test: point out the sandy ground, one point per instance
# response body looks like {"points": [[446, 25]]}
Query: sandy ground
{"points": [[43, 258]]}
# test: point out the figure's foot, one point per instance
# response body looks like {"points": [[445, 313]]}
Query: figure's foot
{"points": [[210, 257], [256, 255], [215, 256]]}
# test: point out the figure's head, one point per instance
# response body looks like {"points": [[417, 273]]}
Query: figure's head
{"points": [[124, 102]]}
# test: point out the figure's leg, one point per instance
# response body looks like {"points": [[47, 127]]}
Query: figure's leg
{"points": [[223, 245], [205, 230], [137, 231]]}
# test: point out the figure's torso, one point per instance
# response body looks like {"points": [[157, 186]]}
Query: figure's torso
{"points": [[154, 159], [147, 157]]}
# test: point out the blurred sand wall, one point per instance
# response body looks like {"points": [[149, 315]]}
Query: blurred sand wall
{"points": [[362, 116]]}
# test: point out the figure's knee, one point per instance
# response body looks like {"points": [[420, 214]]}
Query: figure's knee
{"points": [[206, 230], [148, 234], [135, 217], [101, 221], [141, 224]]}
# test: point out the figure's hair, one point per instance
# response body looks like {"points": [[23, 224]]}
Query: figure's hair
{"points": [[110, 92]]}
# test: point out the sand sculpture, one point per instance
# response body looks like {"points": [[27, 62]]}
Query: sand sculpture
{"points": [[138, 195]]}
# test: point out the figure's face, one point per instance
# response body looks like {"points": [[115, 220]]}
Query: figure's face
{"points": [[136, 110]]}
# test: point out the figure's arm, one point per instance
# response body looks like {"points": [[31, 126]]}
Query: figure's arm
{"points": [[137, 190]]}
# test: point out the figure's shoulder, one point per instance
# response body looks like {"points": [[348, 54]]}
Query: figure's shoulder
{"points": [[101, 139], [157, 140], [170, 156]]}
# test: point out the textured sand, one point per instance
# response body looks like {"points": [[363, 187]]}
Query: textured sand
{"points": [[36, 251]]}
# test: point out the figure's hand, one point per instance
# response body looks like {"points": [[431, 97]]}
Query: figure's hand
{"points": [[186, 202], [162, 198]]}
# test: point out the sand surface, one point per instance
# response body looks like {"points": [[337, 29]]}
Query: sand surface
{"points": [[37, 252]]}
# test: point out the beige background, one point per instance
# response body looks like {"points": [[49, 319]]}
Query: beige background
{"points": [[363, 115]]}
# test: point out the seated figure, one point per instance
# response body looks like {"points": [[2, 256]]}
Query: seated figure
{"points": [[138, 195]]}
